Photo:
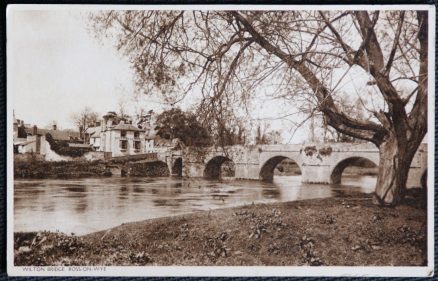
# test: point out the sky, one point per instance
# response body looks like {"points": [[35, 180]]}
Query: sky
{"points": [[57, 67]]}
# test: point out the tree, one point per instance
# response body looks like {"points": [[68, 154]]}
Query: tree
{"points": [[85, 119], [354, 109], [229, 131], [304, 55], [175, 123], [266, 136]]}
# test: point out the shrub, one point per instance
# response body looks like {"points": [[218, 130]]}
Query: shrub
{"points": [[62, 148], [310, 150], [325, 151]]}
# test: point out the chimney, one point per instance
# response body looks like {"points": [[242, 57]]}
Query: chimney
{"points": [[35, 130], [38, 144]]}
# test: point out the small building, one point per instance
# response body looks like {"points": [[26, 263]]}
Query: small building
{"points": [[31, 139], [122, 139], [93, 136], [32, 143], [28, 146]]}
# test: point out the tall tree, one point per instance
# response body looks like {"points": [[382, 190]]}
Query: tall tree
{"points": [[85, 119], [264, 135], [304, 55], [175, 123]]}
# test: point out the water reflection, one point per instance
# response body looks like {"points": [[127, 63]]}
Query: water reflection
{"points": [[86, 205]]}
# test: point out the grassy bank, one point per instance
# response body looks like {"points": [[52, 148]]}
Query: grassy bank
{"points": [[333, 231]]}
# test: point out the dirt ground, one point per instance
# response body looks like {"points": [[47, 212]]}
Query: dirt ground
{"points": [[348, 231]]}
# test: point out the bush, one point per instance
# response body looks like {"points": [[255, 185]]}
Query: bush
{"points": [[62, 169], [62, 147]]}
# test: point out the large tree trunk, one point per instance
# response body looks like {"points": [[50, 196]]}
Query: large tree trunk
{"points": [[395, 162]]}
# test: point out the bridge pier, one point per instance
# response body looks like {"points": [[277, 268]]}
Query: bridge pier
{"points": [[316, 174], [247, 171]]}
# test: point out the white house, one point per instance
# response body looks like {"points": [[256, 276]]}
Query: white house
{"points": [[118, 136]]}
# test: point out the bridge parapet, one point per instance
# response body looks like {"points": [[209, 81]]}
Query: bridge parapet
{"points": [[319, 162]]}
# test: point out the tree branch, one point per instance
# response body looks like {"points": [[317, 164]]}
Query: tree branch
{"points": [[395, 44], [363, 130]]}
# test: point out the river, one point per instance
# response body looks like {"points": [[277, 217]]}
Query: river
{"points": [[83, 206]]}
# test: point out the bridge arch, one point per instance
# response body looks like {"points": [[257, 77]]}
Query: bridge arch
{"points": [[267, 171], [360, 161], [176, 169], [214, 167]]}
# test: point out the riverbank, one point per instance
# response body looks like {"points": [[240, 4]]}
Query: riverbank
{"points": [[348, 231], [40, 169], [35, 168]]}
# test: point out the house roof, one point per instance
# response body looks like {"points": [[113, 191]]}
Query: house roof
{"points": [[126, 127], [94, 131], [79, 145], [19, 140], [56, 134], [25, 142]]}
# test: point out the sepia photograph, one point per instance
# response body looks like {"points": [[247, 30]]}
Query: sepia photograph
{"points": [[220, 140]]}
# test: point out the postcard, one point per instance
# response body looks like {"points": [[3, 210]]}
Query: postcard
{"points": [[220, 140]]}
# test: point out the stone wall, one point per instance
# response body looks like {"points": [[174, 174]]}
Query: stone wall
{"points": [[94, 155], [148, 169]]}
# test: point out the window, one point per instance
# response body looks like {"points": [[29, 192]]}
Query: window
{"points": [[136, 135], [123, 144], [137, 146], [123, 134]]}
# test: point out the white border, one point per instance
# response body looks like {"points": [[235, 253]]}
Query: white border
{"points": [[387, 271], [218, 7]]}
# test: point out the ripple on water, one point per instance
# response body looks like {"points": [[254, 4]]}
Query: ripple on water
{"points": [[84, 205]]}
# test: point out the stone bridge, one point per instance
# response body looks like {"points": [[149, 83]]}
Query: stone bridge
{"points": [[319, 163]]}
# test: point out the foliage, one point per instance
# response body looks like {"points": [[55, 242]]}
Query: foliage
{"points": [[61, 147], [302, 57], [229, 134], [267, 137], [149, 169], [325, 151], [228, 54], [40, 169], [310, 150], [85, 119], [175, 123]]}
